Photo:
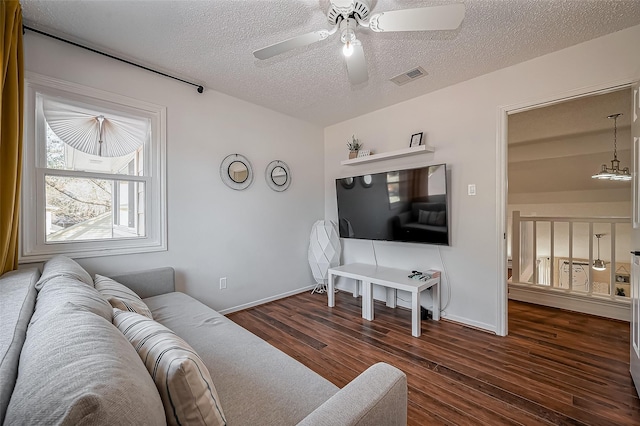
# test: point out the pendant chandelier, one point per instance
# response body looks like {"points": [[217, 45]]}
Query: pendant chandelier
{"points": [[614, 172], [599, 264]]}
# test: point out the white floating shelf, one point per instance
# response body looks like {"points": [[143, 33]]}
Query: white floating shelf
{"points": [[420, 149]]}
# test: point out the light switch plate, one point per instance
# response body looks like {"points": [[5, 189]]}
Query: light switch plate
{"points": [[472, 189]]}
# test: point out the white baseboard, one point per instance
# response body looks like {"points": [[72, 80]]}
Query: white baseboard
{"points": [[471, 323], [593, 305], [265, 300]]}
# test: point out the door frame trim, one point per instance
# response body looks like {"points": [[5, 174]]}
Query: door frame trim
{"points": [[502, 118]]}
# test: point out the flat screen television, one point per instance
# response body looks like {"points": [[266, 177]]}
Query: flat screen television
{"points": [[408, 205]]}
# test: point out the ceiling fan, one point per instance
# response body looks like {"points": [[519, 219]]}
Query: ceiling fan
{"points": [[347, 16]]}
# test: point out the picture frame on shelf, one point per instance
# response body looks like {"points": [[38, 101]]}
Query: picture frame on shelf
{"points": [[623, 278], [416, 140], [364, 153]]}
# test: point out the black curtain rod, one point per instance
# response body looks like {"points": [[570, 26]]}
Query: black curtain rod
{"points": [[200, 89]]}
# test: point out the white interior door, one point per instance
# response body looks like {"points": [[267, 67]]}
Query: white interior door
{"points": [[635, 241]]}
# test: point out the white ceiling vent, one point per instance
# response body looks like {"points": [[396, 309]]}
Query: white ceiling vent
{"points": [[408, 76]]}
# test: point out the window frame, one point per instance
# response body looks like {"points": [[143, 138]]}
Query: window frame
{"points": [[33, 245]]}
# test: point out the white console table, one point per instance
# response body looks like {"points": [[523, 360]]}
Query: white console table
{"points": [[394, 280]]}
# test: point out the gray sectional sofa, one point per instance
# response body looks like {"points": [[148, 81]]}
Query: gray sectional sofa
{"points": [[63, 362]]}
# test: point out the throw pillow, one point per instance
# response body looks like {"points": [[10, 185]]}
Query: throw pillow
{"points": [[423, 217], [441, 219], [120, 296], [427, 217], [185, 386], [69, 292], [76, 368], [63, 266], [433, 216]]}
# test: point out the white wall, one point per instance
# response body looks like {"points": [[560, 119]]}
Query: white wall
{"points": [[257, 238], [461, 123]]}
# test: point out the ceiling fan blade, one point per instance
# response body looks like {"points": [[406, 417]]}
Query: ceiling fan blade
{"points": [[447, 17], [357, 65], [290, 44]]}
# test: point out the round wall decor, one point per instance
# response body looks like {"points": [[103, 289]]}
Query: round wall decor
{"points": [[236, 172], [278, 175], [367, 181], [348, 182]]}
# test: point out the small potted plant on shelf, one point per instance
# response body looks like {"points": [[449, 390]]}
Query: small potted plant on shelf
{"points": [[354, 146]]}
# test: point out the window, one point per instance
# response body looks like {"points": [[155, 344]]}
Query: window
{"points": [[93, 172], [393, 188]]}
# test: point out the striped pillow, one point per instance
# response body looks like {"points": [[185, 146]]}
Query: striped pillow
{"points": [[182, 379], [120, 296]]}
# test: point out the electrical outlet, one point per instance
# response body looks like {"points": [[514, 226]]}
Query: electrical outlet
{"points": [[472, 189], [223, 283]]}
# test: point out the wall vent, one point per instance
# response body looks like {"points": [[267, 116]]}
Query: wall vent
{"points": [[412, 74]]}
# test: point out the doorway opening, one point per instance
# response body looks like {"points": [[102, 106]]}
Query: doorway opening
{"points": [[569, 232]]}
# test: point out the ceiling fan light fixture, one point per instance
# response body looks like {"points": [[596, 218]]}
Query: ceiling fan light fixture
{"points": [[347, 16], [348, 36], [347, 49]]}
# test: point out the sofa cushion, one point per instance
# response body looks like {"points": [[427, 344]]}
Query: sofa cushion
{"points": [[77, 368], [17, 301], [423, 216], [257, 383], [426, 217], [422, 228], [121, 297], [188, 393], [416, 207], [63, 266], [62, 290]]}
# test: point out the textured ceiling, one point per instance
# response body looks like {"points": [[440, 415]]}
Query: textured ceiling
{"points": [[574, 117], [558, 147], [212, 42]]}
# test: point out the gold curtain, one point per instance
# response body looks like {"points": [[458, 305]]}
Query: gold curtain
{"points": [[11, 112]]}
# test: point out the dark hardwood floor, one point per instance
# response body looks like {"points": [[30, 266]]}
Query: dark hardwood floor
{"points": [[555, 367]]}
